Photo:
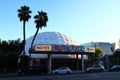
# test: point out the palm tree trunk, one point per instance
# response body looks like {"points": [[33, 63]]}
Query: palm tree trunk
{"points": [[34, 39], [24, 41]]}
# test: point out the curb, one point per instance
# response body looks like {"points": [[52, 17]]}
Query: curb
{"points": [[7, 75], [77, 72], [15, 74]]}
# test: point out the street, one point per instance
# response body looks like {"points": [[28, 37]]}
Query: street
{"points": [[78, 76]]}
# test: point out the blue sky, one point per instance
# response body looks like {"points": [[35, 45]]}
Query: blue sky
{"points": [[83, 20]]}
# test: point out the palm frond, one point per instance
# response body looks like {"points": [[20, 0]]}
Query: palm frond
{"points": [[23, 13], [41, 19]]}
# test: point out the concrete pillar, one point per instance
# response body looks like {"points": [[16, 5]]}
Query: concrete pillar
{"points": [[82, 62], [31, 62], [49, 62], [77, 61], [106, 62]]}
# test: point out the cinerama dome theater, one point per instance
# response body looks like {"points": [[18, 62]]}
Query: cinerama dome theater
{"points": [[50, 38]]}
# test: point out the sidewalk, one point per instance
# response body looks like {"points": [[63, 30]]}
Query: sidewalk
{"points": [[8, 74], [15, 74]]}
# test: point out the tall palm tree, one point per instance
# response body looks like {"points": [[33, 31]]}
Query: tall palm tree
{"points": [[40, 21], [24, 15]]}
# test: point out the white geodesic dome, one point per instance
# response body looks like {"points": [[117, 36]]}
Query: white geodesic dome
{"points": [[55, 38]]}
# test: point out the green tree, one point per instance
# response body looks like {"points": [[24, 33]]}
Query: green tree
{"points": [[115, 58], [95, 57], [9, 51], [40, 21], [98, 53], [24, 15], [3, 48]]}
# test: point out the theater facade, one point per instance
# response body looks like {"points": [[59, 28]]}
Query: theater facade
{"points": [[55, 49]]}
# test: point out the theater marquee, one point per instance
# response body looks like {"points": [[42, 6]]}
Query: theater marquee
{"points": [[64, 48], [43, 48]]}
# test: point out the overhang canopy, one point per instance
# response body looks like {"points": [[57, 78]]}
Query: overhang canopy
{"points": [[62, 49]]}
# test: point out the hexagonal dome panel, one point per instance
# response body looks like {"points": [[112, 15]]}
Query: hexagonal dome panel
{"points": [[50, 38]]}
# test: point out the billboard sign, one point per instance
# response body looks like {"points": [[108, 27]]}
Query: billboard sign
{"points": [[90, 49], [71, 48], [43, 48], [55, 48], [64, 48], [82, 48]]}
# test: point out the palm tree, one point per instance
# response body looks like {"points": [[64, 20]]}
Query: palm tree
{"points": [[24, 15], [40, 21]]}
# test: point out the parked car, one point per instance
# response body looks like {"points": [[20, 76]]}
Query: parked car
{"points": [[38, 69], [115, 68], [61, 70], [96, 68]]}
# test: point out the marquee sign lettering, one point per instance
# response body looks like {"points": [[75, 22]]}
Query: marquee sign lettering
{"points": [[43, 48], [64, 48], [89, 49]]}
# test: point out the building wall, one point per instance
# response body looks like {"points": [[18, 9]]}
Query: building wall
{"points": [[105, 46]]}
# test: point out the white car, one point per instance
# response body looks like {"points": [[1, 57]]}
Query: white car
{"points": [[96, 68], [61, 70]]}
